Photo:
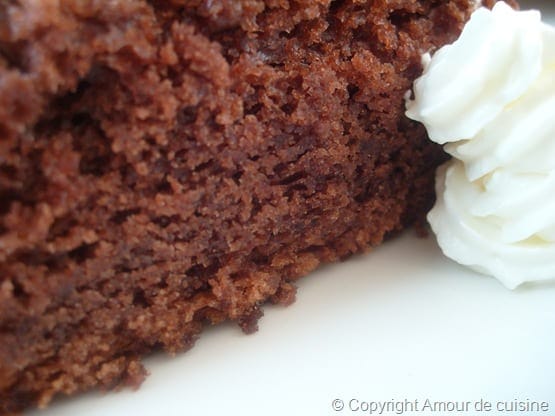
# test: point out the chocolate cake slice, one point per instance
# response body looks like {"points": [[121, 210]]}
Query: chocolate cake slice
{"points": [[165, 165]]}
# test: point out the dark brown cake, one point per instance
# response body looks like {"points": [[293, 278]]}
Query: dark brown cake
{"points": [[170, 164]]}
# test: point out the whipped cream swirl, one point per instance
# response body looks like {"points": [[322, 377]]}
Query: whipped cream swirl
{"points": [[490, 97]]}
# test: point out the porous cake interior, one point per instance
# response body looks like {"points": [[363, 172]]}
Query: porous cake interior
{"points": [[168, 164]]}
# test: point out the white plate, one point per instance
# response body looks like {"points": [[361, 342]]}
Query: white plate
{"points": [[400, 323]]}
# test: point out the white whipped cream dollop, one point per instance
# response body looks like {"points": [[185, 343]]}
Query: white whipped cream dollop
{"points": [[490, 97]]}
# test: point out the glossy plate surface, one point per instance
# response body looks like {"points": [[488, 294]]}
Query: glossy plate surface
{"points": [[401, 323]]}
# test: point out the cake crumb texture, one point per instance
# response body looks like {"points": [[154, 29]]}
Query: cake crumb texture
{"points": [[165, 165]]}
